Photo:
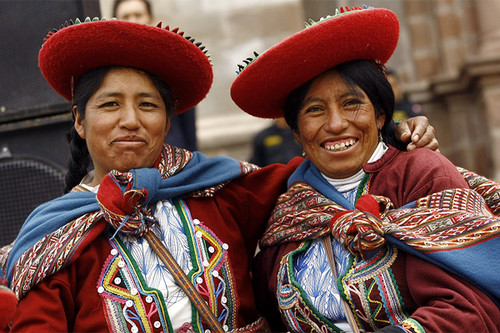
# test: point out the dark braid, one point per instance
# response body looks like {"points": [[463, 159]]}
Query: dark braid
{"points": [[79, 161]]}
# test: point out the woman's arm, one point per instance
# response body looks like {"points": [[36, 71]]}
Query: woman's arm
{"points": [[446, 303], [47, 307]]}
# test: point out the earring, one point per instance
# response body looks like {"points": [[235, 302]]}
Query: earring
{"points": [[380, 138], [304, 154]]}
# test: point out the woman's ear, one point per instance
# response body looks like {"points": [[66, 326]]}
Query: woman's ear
{"points": [[380, 121], [168, 123], [79, 126], [296, 135]]}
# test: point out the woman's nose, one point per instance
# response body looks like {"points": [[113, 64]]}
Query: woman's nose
{"points": [[336, 120], [129, 117]]}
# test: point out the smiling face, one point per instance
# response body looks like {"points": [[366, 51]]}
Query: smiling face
{"points": [[125, 122], [337, 126]]}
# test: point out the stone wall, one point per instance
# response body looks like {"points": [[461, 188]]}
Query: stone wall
{"points": [[455, 47]]}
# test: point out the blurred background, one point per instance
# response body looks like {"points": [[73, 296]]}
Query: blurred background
{"points": [[447, 61]]}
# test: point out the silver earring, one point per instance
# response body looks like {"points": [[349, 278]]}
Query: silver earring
{"points": [[304, 154]]}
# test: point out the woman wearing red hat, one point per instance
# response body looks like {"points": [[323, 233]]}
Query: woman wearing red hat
{"points": [[336, 256], [154, 238]]}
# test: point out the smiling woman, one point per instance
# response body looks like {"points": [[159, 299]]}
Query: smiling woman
{"points": [[124, 122], [337, 124], [324, 264], [150, 237]]}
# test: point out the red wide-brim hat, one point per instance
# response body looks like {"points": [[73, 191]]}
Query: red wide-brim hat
{"points": [[263, 86], [79, 47]]}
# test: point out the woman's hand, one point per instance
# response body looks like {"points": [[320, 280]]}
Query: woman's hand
{"points": [[418, 133]]}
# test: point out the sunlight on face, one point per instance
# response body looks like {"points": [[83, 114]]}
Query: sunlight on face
{"points": [[337, 126]]}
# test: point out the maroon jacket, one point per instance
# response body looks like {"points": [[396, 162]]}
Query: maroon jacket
{"points": [[439, 301]]}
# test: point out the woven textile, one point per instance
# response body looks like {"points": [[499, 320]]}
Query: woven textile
{"points": [[453, 229]]}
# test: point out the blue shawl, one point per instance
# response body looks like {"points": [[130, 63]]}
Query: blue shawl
{"points": [[468, 243], [199, 173]]}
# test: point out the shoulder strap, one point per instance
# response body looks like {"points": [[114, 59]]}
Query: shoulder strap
{"points": [[331, 259], [183, 281]]}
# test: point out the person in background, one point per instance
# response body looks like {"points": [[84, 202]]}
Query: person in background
{"points": [[324, 265], [275, 144], [182, 132], [403, 108]]}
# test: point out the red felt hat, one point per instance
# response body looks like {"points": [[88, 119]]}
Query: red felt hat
{"points": [[262, 87], [79, 47]]}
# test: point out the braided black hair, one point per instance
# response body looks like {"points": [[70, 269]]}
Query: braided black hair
{"points": [[89, 83]]}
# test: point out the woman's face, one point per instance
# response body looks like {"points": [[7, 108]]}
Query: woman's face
{"points": [[125, 123], [337, 126]]}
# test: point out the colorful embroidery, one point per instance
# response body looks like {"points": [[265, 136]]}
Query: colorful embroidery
{"points": [[411, 326], [443, 221], [299, 314], [371, 284], [211, 274], [488, 189], [50, 253], [129, 304]]}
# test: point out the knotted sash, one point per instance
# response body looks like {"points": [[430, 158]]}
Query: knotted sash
{"points": [[58, 230], [453, 229]]}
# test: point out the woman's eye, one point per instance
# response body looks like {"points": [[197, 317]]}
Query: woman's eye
{"points": [[352, 102], [148, 105], [109, 104], [313, 109]]}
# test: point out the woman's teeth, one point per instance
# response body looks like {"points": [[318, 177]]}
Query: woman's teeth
{"points": [[340, 146]]}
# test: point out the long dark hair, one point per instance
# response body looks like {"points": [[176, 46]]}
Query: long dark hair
{"points": [[358, 73], [88, 84]]}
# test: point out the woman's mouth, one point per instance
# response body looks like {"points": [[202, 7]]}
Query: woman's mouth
{"points": [[129, 140], [339, 146]]}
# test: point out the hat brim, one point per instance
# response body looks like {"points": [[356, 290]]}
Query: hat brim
{"points": [[74, 50], [262, 87]]}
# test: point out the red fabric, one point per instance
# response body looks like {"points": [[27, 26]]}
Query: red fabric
{"points": [[68, 300], [395, 175], [8, 302], [263, 86], [72, 51], [367, 203]]}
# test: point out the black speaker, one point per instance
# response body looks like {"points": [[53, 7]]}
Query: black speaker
{"points": [[33, 118], [26, 183]]}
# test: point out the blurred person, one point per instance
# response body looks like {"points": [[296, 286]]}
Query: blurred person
{"points": [[182, 132], [275, 144], [403, 107]]}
